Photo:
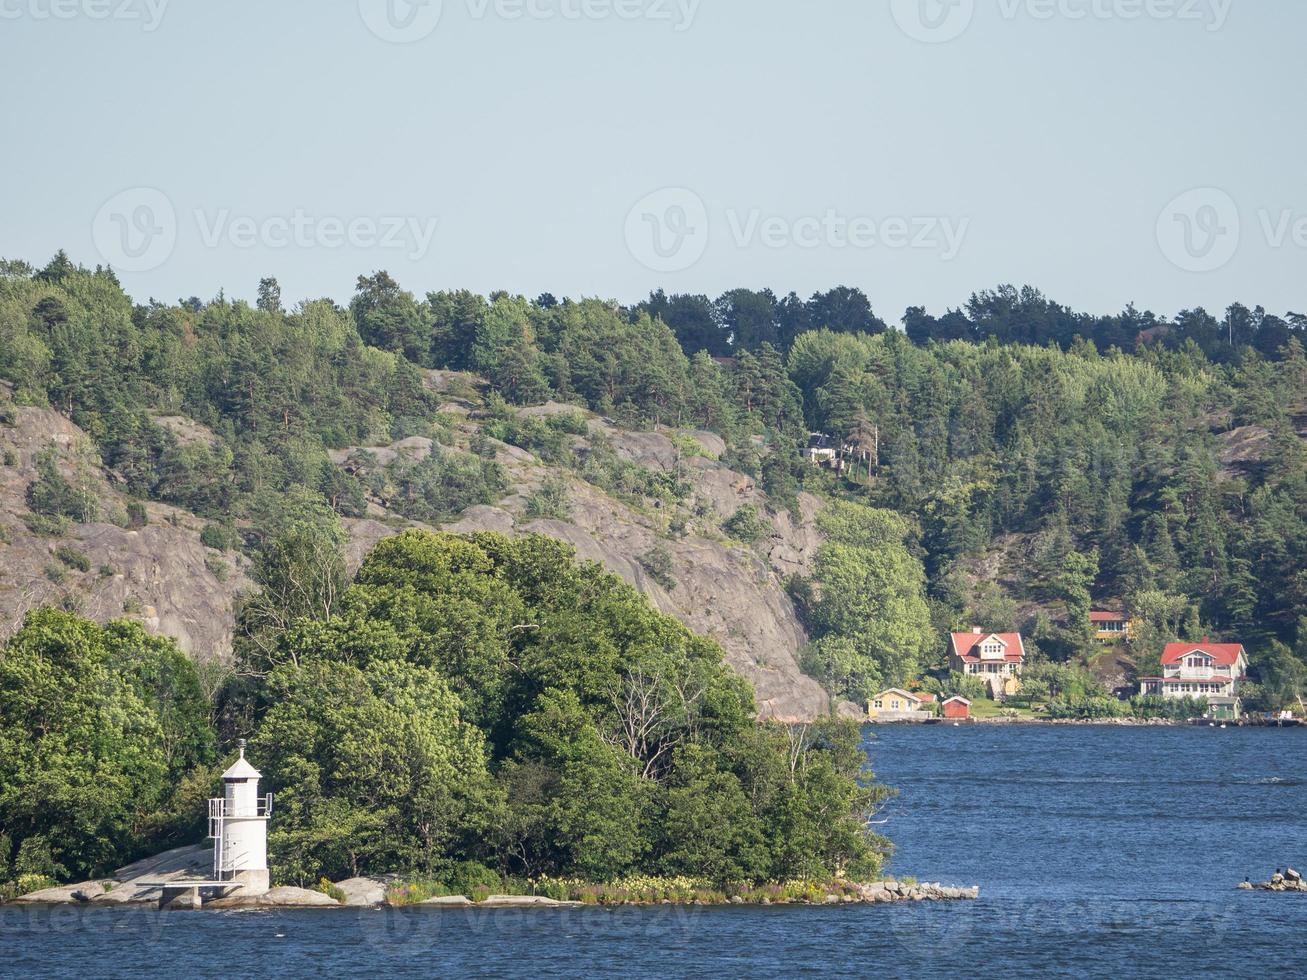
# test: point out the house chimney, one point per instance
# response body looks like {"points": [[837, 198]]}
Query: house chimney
{"points": [[1206, 640], [977, 630]]}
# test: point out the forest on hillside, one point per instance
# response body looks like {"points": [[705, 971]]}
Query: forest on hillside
{"points": [[1146, 463]]}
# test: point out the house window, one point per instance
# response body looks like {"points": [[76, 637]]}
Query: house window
{"points": [[879, 704]]}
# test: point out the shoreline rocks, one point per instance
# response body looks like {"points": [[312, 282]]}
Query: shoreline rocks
{"points": [[371, 893], [1288, 880]]}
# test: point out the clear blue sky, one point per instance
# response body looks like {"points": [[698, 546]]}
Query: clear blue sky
{"points": [[1050, 136]]}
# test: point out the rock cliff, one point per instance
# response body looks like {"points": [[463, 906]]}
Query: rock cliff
{"points": [[161, 573]]}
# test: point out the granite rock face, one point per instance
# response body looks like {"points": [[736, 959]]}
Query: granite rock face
{"points": [[728, 591], [163, 576], [159, 574]]}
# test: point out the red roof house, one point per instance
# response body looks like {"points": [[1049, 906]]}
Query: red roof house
{"points": [[996, 658], [1209, 671]]}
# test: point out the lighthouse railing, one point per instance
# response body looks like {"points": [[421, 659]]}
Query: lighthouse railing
{"points": [[219, 811]]}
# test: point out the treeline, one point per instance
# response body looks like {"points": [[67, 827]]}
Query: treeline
{"points": [[1165, 477], [469, 711]]}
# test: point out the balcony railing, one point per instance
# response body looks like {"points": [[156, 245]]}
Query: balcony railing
{"points": [[219, 811]]}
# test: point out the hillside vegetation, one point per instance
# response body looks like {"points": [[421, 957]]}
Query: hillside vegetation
{"points": [[1013, 463]]}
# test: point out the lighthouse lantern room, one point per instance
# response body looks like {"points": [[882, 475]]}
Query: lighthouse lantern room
{"points": [[238, 824]]}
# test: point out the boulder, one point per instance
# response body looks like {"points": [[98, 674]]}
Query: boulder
{"points": [[520, 902], [64, 894], [1291, 875], [363, 892], [291, 898], [447, 902]]}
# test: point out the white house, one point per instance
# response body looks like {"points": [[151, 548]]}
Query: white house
{"points": [[1212, 672], [995, 658]]}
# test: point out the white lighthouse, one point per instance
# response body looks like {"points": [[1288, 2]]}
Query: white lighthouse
{"points": [[238, 824]]}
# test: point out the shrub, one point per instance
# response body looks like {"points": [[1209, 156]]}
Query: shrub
{"points": [[53, 496], [746, 525], [137, 516], [217, 537], [132, 606], [106, 571], [327, 888], [553, 501], [33, 883], [217, 567], [657, 561], [56, 573], [73, 558], [11, 458], [45, 526], [4, 534]]}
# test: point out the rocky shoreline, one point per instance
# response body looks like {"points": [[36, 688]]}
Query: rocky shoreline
{"points": [[370, 893], [1288, 880], [175, 881]]}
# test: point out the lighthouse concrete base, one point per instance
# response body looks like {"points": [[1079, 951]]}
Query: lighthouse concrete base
{"points": [[249, 884]]}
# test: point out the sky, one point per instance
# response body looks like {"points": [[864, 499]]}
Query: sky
{"points": [[1104, 151]]}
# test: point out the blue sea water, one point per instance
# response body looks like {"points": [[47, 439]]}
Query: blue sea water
{"points": [[1099, 852]]}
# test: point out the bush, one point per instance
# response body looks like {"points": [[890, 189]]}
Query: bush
{"points": [[327, 888], [4, 534], [73, 558], [553, 501], [56, 573], [11, 458], [218, 538], [218, 568], [52, 496], [45, 526], [746, 525], [29, 883], [657, 561], [137, 516]]}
